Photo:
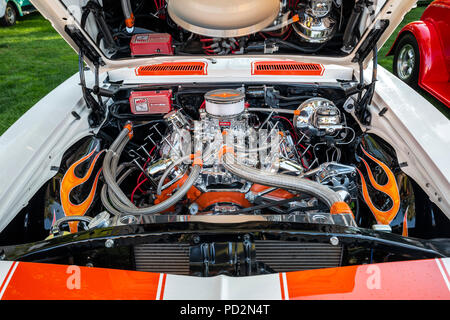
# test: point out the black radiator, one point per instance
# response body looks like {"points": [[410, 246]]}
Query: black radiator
{"points": [[164, 258], [236, 258], [284, 256]]}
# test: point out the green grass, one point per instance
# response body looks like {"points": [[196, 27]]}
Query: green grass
{"points": [[34, 60]]}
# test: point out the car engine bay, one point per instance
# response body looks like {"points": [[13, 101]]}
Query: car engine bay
{"points": [[225, 151], [215, 175], [271, 178], [125, 28]]}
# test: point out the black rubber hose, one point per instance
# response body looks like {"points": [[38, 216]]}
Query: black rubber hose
{"points": [[129, 116], [296, 47], [293, 98]]}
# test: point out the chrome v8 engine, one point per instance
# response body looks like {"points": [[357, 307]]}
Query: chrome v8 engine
{"points": [[224, 120], [233, 155]]}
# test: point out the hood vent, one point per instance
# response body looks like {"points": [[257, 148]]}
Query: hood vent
{"points": [[173, 69], [287, 68]]}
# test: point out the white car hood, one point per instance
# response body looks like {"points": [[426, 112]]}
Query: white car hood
{"points": [[62, 17]]}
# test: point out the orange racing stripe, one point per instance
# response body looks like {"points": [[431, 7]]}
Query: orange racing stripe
{"points": [[36, 281], [406, 280]]}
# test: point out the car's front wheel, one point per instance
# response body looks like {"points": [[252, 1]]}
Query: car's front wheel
{"points": [[407, 60], [10, 17]]}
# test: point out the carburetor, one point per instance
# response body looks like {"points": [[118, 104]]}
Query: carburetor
{"points": [[224, 120]]}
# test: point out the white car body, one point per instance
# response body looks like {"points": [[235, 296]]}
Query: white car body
{"points": [[2, 8], [36, 143], [31, 150], [28, 156]]}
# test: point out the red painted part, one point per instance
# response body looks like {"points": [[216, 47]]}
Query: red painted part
{"points": [[441, 90], [208, 199], [277, 194], [173, 69], [414, 280], [151, 43], [287, 68], [35, 281], [282, 287], [433, 39], [151, 102], [407, 280], [438, 14]]}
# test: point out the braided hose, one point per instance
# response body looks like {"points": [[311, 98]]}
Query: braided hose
{"points": [[107, 192], [323, 193], [118, 201], [166, 173]]}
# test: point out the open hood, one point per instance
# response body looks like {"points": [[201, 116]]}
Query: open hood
{"points": [[114, 34]]}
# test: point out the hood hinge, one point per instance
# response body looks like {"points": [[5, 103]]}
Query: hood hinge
{"points": [[371, 41], [84, 46], [364, 100], [97, 106]]}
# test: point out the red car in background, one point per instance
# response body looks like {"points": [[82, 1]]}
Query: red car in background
{"points": [[422, 51]]}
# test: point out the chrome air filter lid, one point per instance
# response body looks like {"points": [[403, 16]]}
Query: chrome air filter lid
{"points": [[224, 102]]}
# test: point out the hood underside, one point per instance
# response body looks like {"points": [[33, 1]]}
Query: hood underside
{"points": [[122, 33]]}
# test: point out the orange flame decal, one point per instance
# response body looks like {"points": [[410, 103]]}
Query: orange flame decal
{"points": [[390, 188], [70, 181], [405, 224]]}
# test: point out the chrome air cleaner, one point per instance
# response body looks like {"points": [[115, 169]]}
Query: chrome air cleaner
{"points": [[224, 102], [223, 18]]}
